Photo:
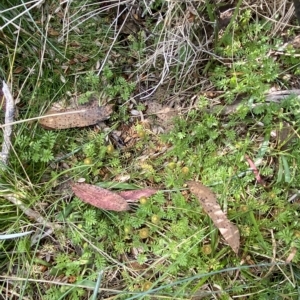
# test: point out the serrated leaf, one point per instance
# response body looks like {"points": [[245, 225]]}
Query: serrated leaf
{"points": [[210, 205], [99, 197]]}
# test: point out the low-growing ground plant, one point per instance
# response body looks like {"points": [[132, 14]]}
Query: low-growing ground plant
{"points": [[228, 135]]}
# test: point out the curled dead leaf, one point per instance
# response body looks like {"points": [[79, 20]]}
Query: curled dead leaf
{"points": [[210, 205], [99, 197]]}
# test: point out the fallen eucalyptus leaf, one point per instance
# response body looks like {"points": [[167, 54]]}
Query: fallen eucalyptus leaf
{"points": [[70, 118], [210, 205], [117, 185], [99, 197], [135, 195]]}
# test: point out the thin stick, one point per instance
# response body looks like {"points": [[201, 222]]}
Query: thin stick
{"points": [[30, 212], [9, 118], [6, 146]]}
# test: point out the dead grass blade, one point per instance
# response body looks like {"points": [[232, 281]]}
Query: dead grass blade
{"points": [[210, 205]]}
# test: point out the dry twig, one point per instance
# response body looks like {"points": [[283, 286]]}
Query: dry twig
{"points": [[9, 118], [4, 155]]}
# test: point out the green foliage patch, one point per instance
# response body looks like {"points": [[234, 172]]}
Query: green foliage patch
{"points": [[166, 246]]}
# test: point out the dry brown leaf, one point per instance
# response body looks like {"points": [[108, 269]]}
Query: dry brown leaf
{"points": [[53, 32], [135, 195], [210, 205], [99, 197], [18, 70], [285, 134], [165, 114], [291, 255], [70, 118]]}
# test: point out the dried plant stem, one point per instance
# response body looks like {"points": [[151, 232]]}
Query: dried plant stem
{"points": [[9, 118], [30, 212], [6, 146]]}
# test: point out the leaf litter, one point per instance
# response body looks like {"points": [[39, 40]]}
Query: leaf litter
{"points": [[107, 200], [75, 115], [100, 197], [135, 195], [208, 200]]}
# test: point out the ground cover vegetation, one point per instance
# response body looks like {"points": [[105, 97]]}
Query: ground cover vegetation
{"points": [[193, 85]]}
